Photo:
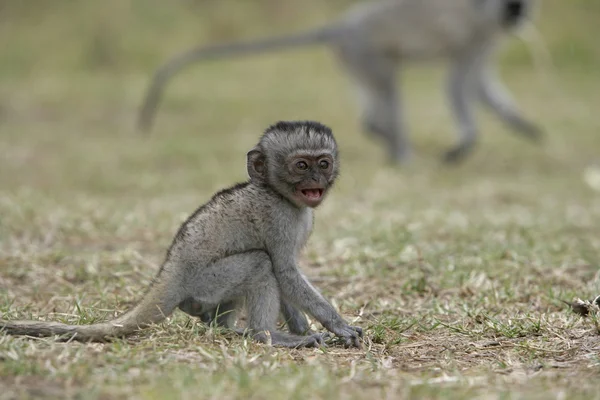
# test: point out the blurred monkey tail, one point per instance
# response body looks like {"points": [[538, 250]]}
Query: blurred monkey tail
{"points": [[179, 62]]}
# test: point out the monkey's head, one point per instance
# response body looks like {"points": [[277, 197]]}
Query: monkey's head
{"points": [[515, 11], [508, 14], [298, 159]]}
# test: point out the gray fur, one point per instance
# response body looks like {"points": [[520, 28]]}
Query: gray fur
{"points": [[373, 39], [242, 247]]}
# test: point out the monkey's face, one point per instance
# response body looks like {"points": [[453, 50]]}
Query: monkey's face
{"points": [[508, 14], [306, 178], [298, 159], [514, 12]]}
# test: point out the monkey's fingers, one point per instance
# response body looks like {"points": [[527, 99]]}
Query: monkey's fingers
{"points": [[358, 333], [320, 339], [326, 335], [358, 330], [350, 336], [315, 341], [352, 342]]}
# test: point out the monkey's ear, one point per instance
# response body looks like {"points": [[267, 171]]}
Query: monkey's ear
{"points": [[255, 164]]}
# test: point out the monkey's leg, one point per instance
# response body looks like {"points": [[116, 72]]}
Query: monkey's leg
{"points": [[374, 79], [297, 322], [244, 275], [295, 319], [460, 96], [223, 314], [496, 97], [263, 310]]}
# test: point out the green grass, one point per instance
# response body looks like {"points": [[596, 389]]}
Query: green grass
{"points": [[456, 275]]}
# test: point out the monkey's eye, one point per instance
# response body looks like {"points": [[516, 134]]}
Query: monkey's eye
{"points": [[301, 165], [324, 164]]}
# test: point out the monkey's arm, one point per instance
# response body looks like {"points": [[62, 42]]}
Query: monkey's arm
{"points": [[295, 319], [298, 291]]}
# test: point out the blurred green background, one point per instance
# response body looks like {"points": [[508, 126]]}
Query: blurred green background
{"points": [[124, 37], [88, 206], [73, 73]]}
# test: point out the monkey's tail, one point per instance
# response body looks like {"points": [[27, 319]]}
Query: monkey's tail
{"points": [[176, 64], [158, 303]]}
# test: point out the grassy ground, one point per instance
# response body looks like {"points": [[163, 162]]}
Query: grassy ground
{"points": [[455, 274]]}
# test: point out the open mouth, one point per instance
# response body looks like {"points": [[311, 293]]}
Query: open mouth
{"points": [[312, 194]]}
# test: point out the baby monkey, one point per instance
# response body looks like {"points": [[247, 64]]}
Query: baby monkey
{"points": [[241, 247]]}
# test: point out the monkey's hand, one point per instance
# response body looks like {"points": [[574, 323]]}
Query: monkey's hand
{"points": [[349, 334]]}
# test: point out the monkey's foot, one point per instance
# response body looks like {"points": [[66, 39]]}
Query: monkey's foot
{"points": [[458, 153], [531, 131], [324, 335], [400, 158], [349, 334], [281, 339]]}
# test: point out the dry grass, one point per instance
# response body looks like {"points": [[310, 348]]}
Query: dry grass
{"points": [[457, 275]]}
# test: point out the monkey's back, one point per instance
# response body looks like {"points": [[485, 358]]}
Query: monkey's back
{"points": [[227, 224], [416, 29]]}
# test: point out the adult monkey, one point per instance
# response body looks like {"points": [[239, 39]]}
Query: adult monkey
{"points": [[372, 39], [242, 247]]}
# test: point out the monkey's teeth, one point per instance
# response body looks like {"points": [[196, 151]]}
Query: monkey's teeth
{"points": [[312, 193]]}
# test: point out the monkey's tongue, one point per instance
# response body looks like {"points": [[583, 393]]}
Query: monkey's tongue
{"points": [[312, 193]]}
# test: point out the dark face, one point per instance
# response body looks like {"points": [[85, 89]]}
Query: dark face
{"points": [[309, 178], [514, 12], [298, 159]]}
